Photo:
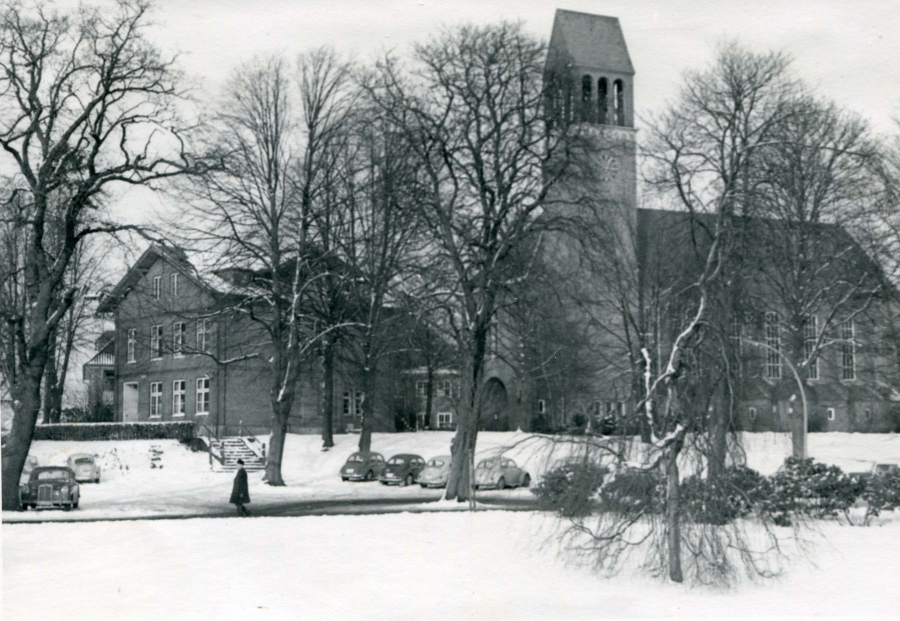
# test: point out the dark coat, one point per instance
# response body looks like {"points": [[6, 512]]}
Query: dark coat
{"points": [[240, 493]]}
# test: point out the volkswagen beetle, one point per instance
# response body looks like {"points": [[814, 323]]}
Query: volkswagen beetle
{"points": [[85, 467], [500, 472], [363, 466], [50, 486], [402, 469], [436, 472]]}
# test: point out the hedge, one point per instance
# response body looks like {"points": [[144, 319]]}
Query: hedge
{"points": [[115, 431]]}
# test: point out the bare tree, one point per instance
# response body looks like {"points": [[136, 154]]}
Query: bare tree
{"points": [[472, 114], [86, 102]]}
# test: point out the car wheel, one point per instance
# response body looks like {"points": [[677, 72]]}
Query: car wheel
{"points": [[501, 483], [67, 507], [344, 479], [75, 506], [370, 475], [423, 485], [526, 481], [409, 480]]}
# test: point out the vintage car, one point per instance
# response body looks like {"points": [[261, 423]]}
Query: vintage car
{"points": [[50, 486], [85, 466], [363, 466], [500, 472], [436, 472], [878, 469], [402, 469]]}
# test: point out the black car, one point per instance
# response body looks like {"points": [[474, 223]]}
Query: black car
{"points": [[402, 469], [50, 486]]}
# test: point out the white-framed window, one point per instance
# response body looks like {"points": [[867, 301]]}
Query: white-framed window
{"points": [[542, 406], [422, 389], [347, 403], [202, 396], [773, 351], [445, 419], [848, 350], [445, 388], [597, 408], [178, 338], [156, 341], [157, 286], [178, 387], [155, 399], [132, 340], [203, 335], [621, 409], [173, 284], [810, 334], [752, 413], [830, 413]]}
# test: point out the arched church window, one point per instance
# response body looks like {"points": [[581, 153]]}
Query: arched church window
{"points": [[586, 83], [602, 104], [619, 101]]}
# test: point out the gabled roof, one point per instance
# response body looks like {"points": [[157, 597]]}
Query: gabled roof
{"points": [[590, 41], [174, 256]]}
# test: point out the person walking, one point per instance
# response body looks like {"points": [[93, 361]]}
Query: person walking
{"points": [[240, 493]]}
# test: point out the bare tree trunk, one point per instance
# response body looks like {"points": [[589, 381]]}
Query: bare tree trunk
{"points": [[429, 393], [51, 383], [328, 406], [458, 484], [275, 453], [673, 524], [26, 395], [368, 409]]}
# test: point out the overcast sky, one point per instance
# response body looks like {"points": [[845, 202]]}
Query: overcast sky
{"points": [[847, 48]]}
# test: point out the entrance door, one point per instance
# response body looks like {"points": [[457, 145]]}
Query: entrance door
{"points": [[130, 402], [494, 415]]}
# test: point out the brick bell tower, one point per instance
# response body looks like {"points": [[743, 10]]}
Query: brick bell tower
{"points": [[594, 86]]}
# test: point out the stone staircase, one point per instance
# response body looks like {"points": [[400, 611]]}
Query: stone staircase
{"points": [[235, 448]]}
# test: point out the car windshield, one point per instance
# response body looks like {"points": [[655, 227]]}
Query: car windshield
{"points": [[354, 459], [52, 475], [396, 461], [883, 468], [436, 463], [83, 461], [488, 463]]}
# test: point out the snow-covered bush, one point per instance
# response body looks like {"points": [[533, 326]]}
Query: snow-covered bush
{"points": [[731, 495], [882, 493], [570, 488], [634, 491], [810, 488], [180, 430]]}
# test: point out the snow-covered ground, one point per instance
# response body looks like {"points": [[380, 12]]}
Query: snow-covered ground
{"points": [[481, 566], [157, 478]]}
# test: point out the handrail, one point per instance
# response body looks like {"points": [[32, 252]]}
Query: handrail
{"points": [[209, 432], [242, 429]]}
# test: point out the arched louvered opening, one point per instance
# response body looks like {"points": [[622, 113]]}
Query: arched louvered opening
{"points": [[602, 100], [619, 101], [586, 109]]}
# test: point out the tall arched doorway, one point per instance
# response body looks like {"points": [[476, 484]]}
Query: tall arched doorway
{"points": [[494, 415]]}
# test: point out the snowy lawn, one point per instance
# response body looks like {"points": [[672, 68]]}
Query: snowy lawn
{"points": [[157, 478], [487, 565]]}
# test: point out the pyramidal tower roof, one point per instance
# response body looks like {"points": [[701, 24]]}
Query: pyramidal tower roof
{"points": [[594, 41]]}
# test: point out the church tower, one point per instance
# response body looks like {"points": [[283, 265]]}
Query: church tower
{"points": [[593, 82]]}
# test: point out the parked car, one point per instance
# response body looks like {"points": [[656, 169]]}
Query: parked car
{"points": [[436, 472], [500, 472], [50, 486], [85, 466], [878, 469], [363, 466], [402, 469]]}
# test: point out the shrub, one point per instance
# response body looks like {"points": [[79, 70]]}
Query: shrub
{"points": [[807, 487], [634, 491], [882, 493], [570, 488], [180, 430], [731, 495]]}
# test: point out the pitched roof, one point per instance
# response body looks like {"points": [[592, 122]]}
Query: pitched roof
{"points": [[591, 41]]}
